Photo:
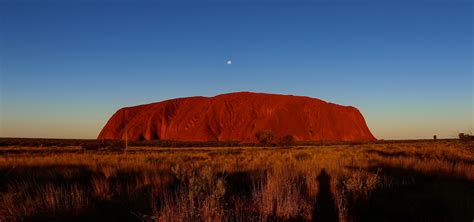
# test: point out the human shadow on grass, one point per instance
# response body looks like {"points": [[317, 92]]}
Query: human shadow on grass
{"points": [[324, 208]]}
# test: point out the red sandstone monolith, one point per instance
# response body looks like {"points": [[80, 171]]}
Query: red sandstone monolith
{"points": [[237, 117]]}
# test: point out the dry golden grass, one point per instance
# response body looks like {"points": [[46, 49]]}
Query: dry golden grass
{"points": [[398, 181]]}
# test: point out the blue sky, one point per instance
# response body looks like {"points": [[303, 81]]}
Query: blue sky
{"points": [[67, 66]]}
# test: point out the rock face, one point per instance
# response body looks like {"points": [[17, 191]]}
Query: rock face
{"points": [[237, 117]]}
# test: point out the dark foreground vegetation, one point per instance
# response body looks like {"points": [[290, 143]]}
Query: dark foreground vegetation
{"points": [[415, 181]]}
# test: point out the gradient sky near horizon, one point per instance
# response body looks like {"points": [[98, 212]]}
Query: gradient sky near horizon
{"points": [[67, 66]]}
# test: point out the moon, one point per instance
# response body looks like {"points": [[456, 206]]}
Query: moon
{"points": [[229, 62]]}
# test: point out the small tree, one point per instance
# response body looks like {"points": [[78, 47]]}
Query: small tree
{"points": [[264, 137], [286, 141], [465, 137]]}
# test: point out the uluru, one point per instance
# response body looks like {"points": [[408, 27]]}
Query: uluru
{"points": [[237, 117]]}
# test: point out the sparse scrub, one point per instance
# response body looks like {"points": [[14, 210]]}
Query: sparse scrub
{"points": [[286, 141], [264, 137], [357, 182], [118, 146], [465, 137], [94, 146]]}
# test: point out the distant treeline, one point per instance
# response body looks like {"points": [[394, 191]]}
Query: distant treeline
{"points": [[34, 142], [96, 144]]}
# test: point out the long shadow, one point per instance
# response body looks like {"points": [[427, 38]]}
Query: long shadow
{"points": [[324, 208], [424, 198], [239, 187], [118, 208]]}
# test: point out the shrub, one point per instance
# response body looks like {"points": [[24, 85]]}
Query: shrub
{"points": [[465, 137], [264, 137], [302, 156], [286, 141], [93, 146], [117, 146]]}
